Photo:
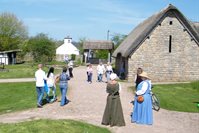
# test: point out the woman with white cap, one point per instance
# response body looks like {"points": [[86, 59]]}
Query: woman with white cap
{"points": [[142, 111], [113, 113]]}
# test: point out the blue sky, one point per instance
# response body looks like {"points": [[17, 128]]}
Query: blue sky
{"points": [[90, 19]]}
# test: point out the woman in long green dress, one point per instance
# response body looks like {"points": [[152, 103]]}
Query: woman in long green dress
{"points": [[113, 114]]}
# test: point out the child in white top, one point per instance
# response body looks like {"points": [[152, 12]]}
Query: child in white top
{"points": [[51, 83]]}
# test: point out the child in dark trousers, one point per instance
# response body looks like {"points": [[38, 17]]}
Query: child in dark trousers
{"points": [[89, 73]]}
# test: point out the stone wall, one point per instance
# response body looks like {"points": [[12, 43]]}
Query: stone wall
{"points": [[162, 65]]}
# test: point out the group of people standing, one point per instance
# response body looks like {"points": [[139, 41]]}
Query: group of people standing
{"points": [[101, 70], [113, 113], [45, 83]]}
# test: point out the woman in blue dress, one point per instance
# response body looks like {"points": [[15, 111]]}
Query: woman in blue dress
{"points": [[142, 111]]}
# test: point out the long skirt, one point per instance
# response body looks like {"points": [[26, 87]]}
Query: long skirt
{"points": [[113, 114], [142, 112]]}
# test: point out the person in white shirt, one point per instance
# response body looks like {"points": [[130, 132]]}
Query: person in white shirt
{"points": [[66, 59], [100, 71], [109, 70], [40, 77]]}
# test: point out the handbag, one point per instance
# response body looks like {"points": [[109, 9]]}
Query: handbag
{"points": [[140, 98]]}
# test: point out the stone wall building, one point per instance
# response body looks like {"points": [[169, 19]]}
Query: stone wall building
{"points": [[166, 46]]}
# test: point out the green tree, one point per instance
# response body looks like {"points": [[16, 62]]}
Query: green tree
{"points": [[12, 32], [42, 48], [117, 39], [102, 53], [80, 45]]}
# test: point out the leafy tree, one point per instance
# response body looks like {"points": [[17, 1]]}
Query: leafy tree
{"points": [[80, 45], [12, 32], [102, 53], [117, 39], [42, 48]]}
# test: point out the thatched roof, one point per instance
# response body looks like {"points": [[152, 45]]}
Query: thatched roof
{"points": [[98, 44], [143, 30]]}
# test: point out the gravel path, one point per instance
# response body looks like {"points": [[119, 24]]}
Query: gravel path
{"points": [[88, 103]]}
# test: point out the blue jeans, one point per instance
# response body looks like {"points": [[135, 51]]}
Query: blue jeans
{"points": [[100, 77], [53, 91], [63, 90], [40, 94]]}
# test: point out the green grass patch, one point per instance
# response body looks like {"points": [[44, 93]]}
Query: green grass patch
{"points": [[24, 71], [177, 97], [52, 126], [18, 96], [18, 71]]}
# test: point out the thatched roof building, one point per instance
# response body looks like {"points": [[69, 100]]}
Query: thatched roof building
{"points": [[165, 45], [144, 29], [92, 45], [98, 44]]}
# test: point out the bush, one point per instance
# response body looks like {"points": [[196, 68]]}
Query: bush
{"points": [[73, 57]]}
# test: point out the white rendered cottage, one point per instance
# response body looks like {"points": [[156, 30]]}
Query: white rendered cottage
{"points": [[66, 49]]}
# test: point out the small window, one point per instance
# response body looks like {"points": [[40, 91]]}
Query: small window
{"points": [[171, 22], [170, 41], [68, 41]]}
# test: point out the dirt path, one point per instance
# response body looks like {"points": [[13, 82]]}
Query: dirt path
{"points": [[88, 102]]}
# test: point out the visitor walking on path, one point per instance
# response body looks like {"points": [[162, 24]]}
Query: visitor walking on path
{"points": [[66, 59], [142, 111], [40, 77], [109, 70], [113, 114], [89, 72], [51, 84], [70, 68], [63, 84], [100, 72]]}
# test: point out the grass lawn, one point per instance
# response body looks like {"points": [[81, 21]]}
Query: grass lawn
{"points": [[18, 96], [21, 96], [178, 97], [51, 126], [18, 71], [23, 71]]}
